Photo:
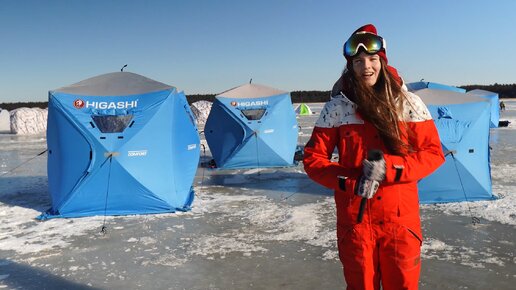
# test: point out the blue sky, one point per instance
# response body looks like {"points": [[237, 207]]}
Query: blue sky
{"points": [[203, 46]]}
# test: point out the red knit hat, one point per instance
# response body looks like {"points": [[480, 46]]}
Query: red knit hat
{"points": [[371, 29]]}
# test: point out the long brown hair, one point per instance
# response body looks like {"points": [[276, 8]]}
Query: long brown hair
{"points": [[382, 105]]}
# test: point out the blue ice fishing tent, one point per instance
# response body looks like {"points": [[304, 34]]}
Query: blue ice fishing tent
{"points": [[493, 100], [118, 144], [463, 124], [252, 126]]}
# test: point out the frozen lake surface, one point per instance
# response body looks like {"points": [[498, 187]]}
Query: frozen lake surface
{"points": [[248, 229]]}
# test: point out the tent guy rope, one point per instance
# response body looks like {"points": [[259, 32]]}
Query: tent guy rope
{"points": [[23, 163]]}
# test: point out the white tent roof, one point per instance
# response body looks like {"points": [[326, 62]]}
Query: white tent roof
{"points": [[249, 91], [439, 97], [482, 93], [114, 84]]}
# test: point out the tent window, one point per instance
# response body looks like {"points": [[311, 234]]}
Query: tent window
{"points": [[112, 124], [253, 114]]}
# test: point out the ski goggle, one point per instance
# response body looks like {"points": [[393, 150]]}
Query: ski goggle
{"points": [[371, 43]]}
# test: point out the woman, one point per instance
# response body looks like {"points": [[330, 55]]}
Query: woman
{"points": [[386, 142]]}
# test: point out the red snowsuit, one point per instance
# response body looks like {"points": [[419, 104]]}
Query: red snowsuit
{"points": [[386, 245]]}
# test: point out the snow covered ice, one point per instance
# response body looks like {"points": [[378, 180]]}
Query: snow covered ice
{"points": [[248, 229]]}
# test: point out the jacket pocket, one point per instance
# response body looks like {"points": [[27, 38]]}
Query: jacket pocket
{"points": [[345, 194], [407, 248], [416, 235]]}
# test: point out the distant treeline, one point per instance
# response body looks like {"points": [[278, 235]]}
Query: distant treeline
{"points": [[504, 91], [12, 106]]}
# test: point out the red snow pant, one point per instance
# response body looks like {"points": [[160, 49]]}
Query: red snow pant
{"points": [[374, 254]]}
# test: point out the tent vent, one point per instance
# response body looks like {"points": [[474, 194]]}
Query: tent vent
{"points": [[253, 114], [112, 123], [471, 150], [120, 137], [102, 137]]}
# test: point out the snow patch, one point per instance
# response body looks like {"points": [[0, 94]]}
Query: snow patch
{"points": [[439, 250]]}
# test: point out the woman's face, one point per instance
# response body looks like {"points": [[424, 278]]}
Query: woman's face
{"points": [[366, 68]]}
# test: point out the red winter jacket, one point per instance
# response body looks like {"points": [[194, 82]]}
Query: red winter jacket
{"points": [[339, 126]]}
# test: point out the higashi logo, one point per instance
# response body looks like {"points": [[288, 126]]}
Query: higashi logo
{"points": [[78, 104], [258, 103], [253, 103], [112, 105]]}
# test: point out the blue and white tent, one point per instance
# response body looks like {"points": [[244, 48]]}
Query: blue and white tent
{"points": [[252, 126], [118, 144], [495, 104], [430, 85], [463, 124]]}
